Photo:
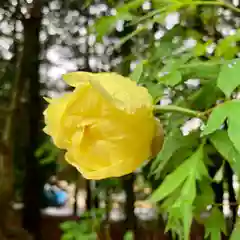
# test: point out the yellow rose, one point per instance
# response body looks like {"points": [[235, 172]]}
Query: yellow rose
{"points": [[158, 139], [106, 124]]}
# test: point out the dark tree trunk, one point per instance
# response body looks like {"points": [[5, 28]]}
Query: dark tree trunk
{"points": [[130, 221], [30, 73], [89, 196]]}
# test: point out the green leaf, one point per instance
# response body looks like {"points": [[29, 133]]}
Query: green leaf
{"points": [[170, 145], [215, 224], [231, 111], [219, 174], [234, 123], [236, 232], [205, 97], [173, 64], [229, 77], [186, 216], [47, 152], [87, 3], [156, 91], [174, 223], [225, 147], [170, 200], [170, 184], [217, 118], [204, 198], [67, 236], [181, 174], [187, 219], [42, 149], [201, 69], [184, 204], [106, 24], [171, 79], [128, 236], [48, 159], [137, 72], [199, 49], [227, 46], [177, 158], [180, 211], [188, 192], [130, 5], [68, 225], [174, 141]]}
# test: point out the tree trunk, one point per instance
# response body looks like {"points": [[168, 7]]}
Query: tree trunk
{"points": [[30, 74], [6, 186], [130, 221], [7, 148]]}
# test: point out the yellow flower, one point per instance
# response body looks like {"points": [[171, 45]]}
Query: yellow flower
{"points": [[106, 124], [157, 142]]}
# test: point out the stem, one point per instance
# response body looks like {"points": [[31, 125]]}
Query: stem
{"points": [[217, 3], [230, 6], [181, 5], [177, 109], [206, 63], [131, 35], [172, 8]]}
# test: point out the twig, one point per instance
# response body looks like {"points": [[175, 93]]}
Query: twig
{"points": [[177, 109]]}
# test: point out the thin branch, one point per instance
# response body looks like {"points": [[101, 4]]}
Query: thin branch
{"points": [[177, 109]]}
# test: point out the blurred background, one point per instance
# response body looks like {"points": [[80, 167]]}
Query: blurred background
{"points": [[41, 40]]}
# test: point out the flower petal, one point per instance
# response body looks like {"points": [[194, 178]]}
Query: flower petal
{"points": [[158, 139], [75, 78], [113, 139], [117, 169], [53, 115], [123, 90]]}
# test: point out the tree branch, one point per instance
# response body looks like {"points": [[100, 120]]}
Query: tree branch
{"points": [[177, 109]]}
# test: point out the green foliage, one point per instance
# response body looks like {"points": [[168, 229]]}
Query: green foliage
{"points": [[128, 236], [215, 224], [108, 23], [225, 147], [171, 79], [229, 110], [182, 164], [137, 72], [174, 142], [231, 72], [236, 232], [205, 197], [227, 47], [74, 230], [85, 228], [183, 181], [165, 67], [47, 152]]}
